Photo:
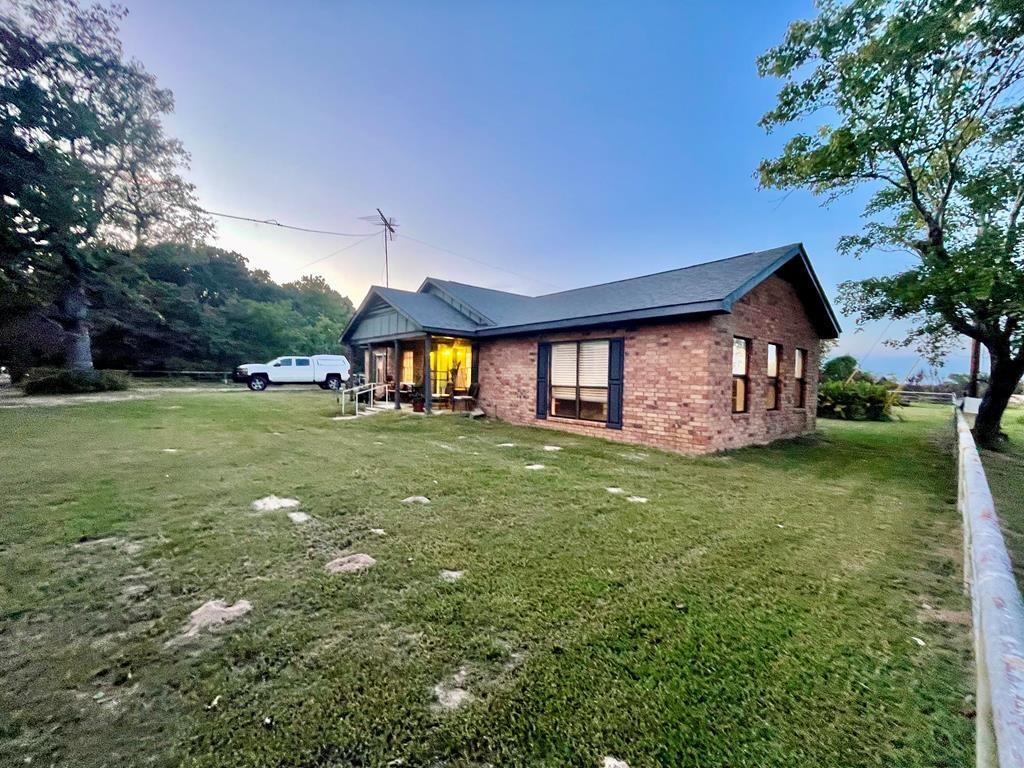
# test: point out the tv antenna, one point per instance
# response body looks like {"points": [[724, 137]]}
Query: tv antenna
{"points": [[389, 225]]}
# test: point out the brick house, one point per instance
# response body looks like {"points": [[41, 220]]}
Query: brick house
{"points": [[705, 358]]}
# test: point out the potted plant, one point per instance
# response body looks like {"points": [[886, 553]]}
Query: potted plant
{"points": [[417, 397]]}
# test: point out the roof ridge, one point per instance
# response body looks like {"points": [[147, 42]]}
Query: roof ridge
{"points": [[478, 287], [388, 288], [667, 271]]}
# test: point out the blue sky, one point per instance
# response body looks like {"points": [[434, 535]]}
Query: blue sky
{"points": [[562, 144]]}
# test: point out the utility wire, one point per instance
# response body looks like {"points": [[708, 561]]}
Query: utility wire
{"points": [[407, 236], [364, 237], [276, 223], [340, 250]]}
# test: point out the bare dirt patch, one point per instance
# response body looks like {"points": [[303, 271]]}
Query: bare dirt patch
{"points": [[534, 467], [637, 499], [415, 500], [614, 489], [452, 693], [213, 614], [450, 576], [115, 543], [271, 503], [941, 616], [350, 563], [299, 518]]}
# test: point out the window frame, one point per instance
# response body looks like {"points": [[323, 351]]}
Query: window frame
{"points": [[552, 385], [303, 362], [801, 380], [774, 383], [745, 376]]}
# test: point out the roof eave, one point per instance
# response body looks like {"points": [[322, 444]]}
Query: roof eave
{"points": [[654, 313]]}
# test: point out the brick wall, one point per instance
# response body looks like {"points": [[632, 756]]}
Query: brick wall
{"points": [[772, 312], [677, 377]]}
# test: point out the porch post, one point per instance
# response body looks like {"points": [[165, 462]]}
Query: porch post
{"points": [[427, 388], [398, 371]]}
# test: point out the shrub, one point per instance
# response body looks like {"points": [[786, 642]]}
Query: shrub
{"points": [[856, 400], [65, 381]]}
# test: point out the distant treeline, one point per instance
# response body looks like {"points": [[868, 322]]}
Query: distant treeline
{"points": [[172, 307]]}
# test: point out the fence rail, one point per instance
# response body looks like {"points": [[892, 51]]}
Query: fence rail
{"points": [[908, 396], [997, 613]]}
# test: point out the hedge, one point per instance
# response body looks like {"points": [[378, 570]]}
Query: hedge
{"points": [[856, 400], [65, 381]]}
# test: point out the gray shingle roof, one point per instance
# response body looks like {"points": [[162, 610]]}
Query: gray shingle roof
{"points": [[427, 310], [700, 289]]}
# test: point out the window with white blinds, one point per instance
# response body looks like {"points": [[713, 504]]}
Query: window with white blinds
{"points": [[579, 380]]}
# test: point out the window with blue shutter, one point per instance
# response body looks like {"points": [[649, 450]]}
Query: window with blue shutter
{"points": [[616, 365], [543, 367]]}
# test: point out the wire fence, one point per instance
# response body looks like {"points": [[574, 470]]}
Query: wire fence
{"points": [[151, 376], [997, 613]]}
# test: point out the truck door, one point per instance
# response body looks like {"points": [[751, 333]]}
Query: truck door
{"points": [[303, 370], [284, 371]]}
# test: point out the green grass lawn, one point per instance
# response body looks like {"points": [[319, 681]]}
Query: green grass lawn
{"points": [[764, 608], [1005, 472]]}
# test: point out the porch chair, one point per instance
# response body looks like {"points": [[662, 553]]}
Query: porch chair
{"points": [[467, 401]]}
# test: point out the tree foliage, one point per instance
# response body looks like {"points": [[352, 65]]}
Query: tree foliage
{"points": [[920, 101], [101, 237], [839, 368], [202, 307], [86, 171]]}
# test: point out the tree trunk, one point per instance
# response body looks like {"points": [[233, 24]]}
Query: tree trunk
{"points": [[72, 311], [1002, 380]]}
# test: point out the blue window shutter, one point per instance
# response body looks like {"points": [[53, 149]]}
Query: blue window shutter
{"points": [[616, 363], [543, 365]]}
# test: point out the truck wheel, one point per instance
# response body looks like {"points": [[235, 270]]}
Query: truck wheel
{"points": [[333, 381], [258, 382]]}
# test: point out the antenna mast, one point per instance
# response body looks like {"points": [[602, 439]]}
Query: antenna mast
{"points": [[389, 225]]}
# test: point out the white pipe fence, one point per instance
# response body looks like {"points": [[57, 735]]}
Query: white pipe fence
{"points": [[997, 611]]}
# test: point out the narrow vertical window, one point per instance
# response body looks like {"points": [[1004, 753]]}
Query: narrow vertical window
{"points": [[740, 374], [800, 377], [408, 375], [773, 394]]}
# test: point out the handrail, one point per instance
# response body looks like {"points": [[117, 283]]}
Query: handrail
{"points": [[997, 613], [356, 392]]}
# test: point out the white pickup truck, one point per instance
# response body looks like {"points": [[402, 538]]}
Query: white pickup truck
{"points": [[329, 371]]}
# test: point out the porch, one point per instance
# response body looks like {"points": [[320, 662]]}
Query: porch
{"points": [[435, 371]]}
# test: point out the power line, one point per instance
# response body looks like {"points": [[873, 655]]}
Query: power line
{"points": [[482, 263], [340, 250], [365, 236], [276, 223]]}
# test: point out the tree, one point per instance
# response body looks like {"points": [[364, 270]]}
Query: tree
{"points": [[839, 368], [86, 172], [180, 306], [922, 104]]}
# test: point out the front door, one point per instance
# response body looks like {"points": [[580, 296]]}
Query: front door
{"points": [[380, 373]]}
